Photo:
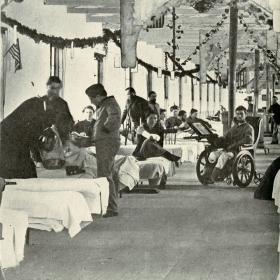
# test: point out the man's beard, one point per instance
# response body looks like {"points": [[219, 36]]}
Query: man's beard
{"points": [[153, 101]]}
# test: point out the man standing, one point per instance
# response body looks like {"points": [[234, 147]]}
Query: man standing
{"points": [[250, 109], [275, 111], [107, 139], [152, 102], [21, 130], [135, 109]]}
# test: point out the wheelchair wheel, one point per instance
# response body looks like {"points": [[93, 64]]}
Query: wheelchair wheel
{"points": [[243, 170], [200, 167]]}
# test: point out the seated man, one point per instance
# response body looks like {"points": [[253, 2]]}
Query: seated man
{"points": [[85, 127], [150, 138], [240, 134], [182, 115], [174, 121], [193, 118]]}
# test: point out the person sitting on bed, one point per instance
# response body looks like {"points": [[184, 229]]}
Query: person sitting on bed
{"points": [[85, 127], [150, 138]]}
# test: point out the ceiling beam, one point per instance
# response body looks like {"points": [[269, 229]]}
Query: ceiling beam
{"points": [[106, 3], [91, 10], [114, 19]]}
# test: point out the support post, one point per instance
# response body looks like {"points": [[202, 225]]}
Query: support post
{"points": [[3, 67], [256, 81], [149, 81], [268, 96], [129, 34], [166, 91], [233, 29], [174, 37], [180, 92]]}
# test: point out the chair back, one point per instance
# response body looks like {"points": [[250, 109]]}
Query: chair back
{"points": [[170, 138], [256, 123]]}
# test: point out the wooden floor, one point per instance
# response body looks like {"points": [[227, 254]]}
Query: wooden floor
{"points": [[186, 232]]}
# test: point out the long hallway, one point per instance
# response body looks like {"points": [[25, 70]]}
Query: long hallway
{"points": [[192, 232]]}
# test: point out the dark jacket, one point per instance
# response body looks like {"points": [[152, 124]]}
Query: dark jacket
{"points": [[108, 120], [237, 136], [172, 122], [154, 107], [275, 109], [86, 127], [20, 132], [136, 109]]}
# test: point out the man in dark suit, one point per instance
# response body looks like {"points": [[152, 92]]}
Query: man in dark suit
{"points": [[153, 105], [20, 131], [134, 111], [275, 111]]}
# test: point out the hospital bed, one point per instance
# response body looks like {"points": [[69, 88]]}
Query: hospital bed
{"points": [[55, 204], [13, 228]]}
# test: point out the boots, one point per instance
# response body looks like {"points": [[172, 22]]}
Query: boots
{"points": [[171, 157]]}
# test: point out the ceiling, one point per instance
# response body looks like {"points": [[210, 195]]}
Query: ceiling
{"points": [[192, 23]]}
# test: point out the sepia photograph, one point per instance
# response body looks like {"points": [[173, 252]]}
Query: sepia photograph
{"points": [[140, 140]]}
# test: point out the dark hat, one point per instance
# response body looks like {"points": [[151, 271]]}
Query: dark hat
{"points": [[88, 107], [174, 107], [193, 111], [162, 111], [95, 90], [182, 113], [249, 98]]}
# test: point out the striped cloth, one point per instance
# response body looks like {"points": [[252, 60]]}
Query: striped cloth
{"points": [[14, 50]]}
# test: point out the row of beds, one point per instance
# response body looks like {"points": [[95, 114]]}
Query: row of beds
{"points": [[57, 202]]}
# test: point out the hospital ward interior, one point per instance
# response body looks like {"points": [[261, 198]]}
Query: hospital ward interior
{"points": [[140, 140]]}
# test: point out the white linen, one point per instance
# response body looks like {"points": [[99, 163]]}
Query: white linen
{"points": [[276, 190], [68, 207], [14, 227], [95, 191], [128, 171]]}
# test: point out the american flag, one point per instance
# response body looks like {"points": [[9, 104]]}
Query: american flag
{"points": [[14, 50]]}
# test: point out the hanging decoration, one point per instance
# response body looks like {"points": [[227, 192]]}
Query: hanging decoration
{"points": [[108, 35], [258, 41], [58, 42], [208, 36]]}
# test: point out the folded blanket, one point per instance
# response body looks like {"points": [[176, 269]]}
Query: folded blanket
{"points": [[68, 207], [14, 226]]}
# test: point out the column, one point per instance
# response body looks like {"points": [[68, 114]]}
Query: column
{"points": [[233, 30], [256, 81]]}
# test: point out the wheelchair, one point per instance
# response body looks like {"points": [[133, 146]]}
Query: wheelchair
{"points": [[241, 169]]}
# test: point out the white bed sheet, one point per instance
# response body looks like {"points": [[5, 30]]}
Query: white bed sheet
{"points": [[67, 208]]}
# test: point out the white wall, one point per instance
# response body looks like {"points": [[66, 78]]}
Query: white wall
{"points": [[50, 20]]}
